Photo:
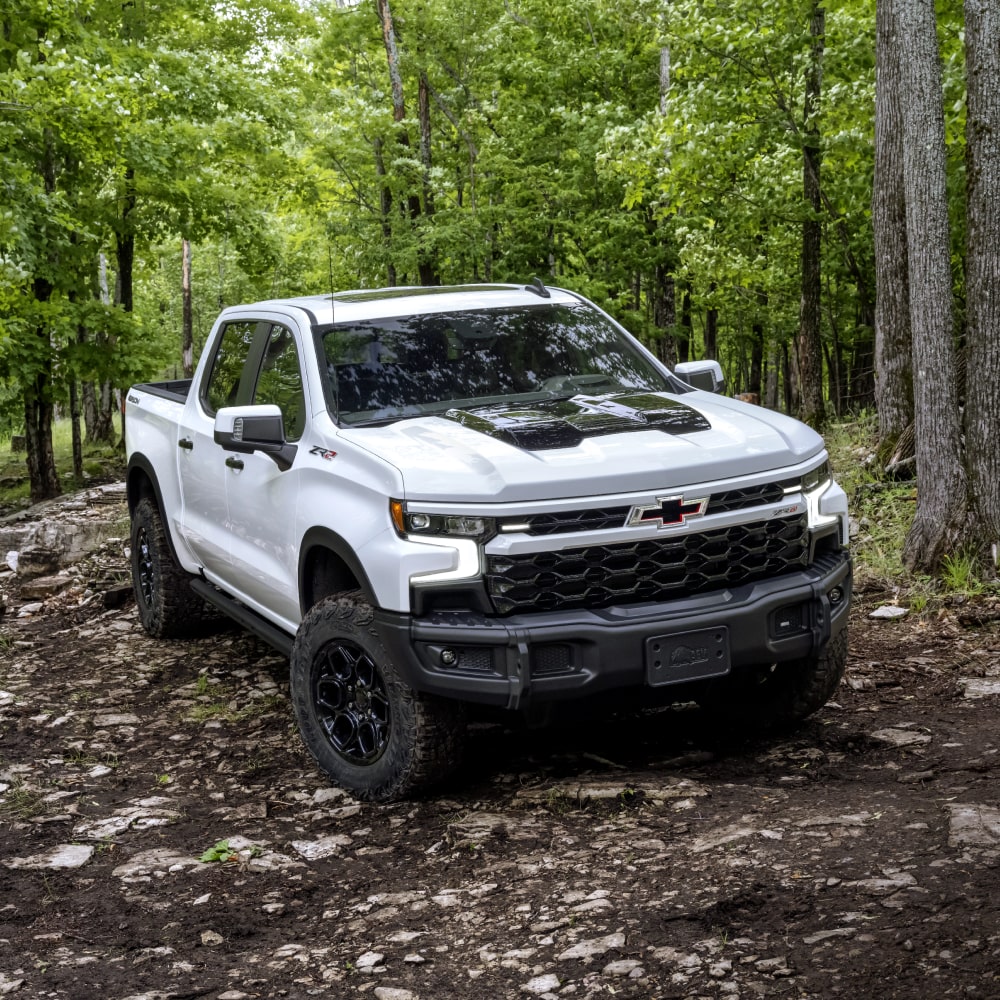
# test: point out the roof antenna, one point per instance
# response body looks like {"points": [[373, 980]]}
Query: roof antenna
{"points": [[538, 288]]}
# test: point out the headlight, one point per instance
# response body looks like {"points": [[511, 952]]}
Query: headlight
{"points": [[815, 478], [417, 522]]}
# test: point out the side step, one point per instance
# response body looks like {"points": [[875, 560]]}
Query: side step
{"points": [[240, 613]]}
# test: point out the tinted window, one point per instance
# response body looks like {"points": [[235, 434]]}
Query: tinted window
{"points": [[223, 387], [415, 365], [280, 381]]}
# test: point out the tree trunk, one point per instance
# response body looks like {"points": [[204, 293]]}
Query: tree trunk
{"points": [[773, 370], [893, 343], [982, 269], [187, 326], [665, 313], [809, 353], [74, 417], [684, 340], [942, 497], [385, 209], [712, 333]]}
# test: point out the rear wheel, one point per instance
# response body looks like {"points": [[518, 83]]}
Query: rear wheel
{"points": [[781, 694], [168, 608], [369, 732]]}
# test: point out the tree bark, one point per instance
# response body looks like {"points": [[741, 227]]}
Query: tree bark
{"points": [[809, 353], [982, 269], [665, 313], [893, 342], [712, 333], [187, 325], [385, 210], [941, 516]]}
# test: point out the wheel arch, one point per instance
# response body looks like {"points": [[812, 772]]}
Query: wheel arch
{"points": [[141, 482], [328, 565]]}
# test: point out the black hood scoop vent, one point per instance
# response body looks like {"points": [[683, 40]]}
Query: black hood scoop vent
{"points": [[564, 423]]}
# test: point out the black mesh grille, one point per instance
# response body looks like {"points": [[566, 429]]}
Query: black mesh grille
{"points": [[615, 517], [599, 576], [551, 658], [475, 658]]}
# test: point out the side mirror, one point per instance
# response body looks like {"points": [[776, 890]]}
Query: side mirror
{"points": [[247, 429], [705, 375]]}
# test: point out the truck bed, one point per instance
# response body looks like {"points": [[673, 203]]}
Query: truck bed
{"points": [[176, 389]]}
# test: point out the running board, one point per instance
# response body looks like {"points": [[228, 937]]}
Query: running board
{"points": [[241, 614]]}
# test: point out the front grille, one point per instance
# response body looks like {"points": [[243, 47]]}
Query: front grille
{"points": [[615, 517], [600, 576], [753, 496]]}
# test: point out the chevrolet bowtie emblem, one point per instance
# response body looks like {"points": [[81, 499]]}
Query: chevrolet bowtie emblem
{"points": [[666, 511]]}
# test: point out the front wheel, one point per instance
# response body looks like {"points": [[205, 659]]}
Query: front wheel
{"points": [[781, 694], [369, 732]]}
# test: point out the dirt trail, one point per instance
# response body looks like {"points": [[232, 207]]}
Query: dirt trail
{"points": [[635, 858]]}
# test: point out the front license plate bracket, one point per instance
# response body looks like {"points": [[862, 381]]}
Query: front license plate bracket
{"points": [[687, 656]]}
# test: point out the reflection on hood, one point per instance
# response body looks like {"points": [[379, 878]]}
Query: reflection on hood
{"points": [[565, 423]]}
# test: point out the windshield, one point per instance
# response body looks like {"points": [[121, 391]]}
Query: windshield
{"points": [[384, 369]]}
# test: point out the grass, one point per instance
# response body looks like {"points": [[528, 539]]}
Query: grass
{"points": [[101, 463], [883, 511]]}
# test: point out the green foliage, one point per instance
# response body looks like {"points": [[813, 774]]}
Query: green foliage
{"points": [[221, 851]]}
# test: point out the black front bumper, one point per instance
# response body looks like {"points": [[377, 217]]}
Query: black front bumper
{"points": [[510, 661]]}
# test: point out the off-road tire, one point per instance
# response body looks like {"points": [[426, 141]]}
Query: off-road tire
{"points": [[778, 696], [168, 608], [369, 732]]}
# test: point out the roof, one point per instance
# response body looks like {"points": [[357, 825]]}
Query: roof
{"points": [[363, 304]]}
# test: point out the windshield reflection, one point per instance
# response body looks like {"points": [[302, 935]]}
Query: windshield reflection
{"points": [[386, 369]]}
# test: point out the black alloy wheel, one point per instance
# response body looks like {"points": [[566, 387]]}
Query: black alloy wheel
{"points": [[352, 705]]}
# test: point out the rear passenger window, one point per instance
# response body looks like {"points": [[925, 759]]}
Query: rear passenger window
{"points": [[280, 381], [224, 384]]}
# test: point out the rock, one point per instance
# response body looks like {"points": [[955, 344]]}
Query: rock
{"points": [[63, 856], [900, 736], [325, 847], [28, 610], [44, 586], [623, 967], [889, 612], [973, 825], [211, 939], [979, 687], [37, 560], [593, 947], [541, 984], [392, 993], [369, 960], [115, 597], [11, 560]]}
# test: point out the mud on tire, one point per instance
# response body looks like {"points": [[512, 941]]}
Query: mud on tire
{"points": [[368, 731], [168, 608], [779, 695]]}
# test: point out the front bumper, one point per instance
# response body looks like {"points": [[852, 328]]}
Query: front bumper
{"points": [[547, 656]]}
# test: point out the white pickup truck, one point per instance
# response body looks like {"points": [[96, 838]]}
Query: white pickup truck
{"points": [[432, 498]]}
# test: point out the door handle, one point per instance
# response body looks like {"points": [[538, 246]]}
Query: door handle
{"points": [[186, 443], [234, 463]]}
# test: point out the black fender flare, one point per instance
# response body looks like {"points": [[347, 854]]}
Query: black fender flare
{"points": [[326, 538], [137, 464]]}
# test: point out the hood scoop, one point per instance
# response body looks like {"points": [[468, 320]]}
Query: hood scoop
{"points": [[565, 423]]}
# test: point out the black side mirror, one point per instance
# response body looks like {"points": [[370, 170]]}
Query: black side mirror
{"points": [[247, 429]]}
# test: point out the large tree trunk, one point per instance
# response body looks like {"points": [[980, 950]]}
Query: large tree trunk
{"points": [[809, 352], [982, 268], [425, 268], [942, 497], [712, 333], [893, 343]]}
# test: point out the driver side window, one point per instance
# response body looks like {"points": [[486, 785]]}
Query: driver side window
{"points": [[280, 381]]}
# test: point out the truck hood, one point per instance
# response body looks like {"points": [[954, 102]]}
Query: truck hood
{"points": [[585, 446]]}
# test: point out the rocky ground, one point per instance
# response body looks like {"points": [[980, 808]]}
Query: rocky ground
{"points": [[164, 835]]}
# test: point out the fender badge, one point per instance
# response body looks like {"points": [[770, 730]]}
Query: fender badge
{"points": [[322, 452]]}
